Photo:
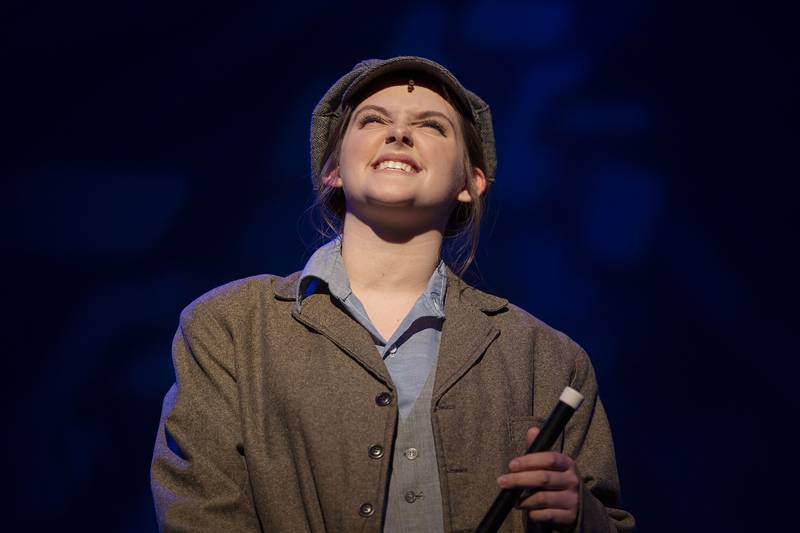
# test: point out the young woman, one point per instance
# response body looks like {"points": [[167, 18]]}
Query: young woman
{"points": [[375, 390]]}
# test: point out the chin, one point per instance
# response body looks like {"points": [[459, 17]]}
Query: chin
{"points": [[399, 214], [390, 196], [390, 201]]}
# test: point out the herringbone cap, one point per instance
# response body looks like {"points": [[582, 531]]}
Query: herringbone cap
{"points": [[328, 111]]}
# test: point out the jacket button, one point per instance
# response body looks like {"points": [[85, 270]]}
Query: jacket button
{"points": [[383, 399], [376, 451], [366, 510]]}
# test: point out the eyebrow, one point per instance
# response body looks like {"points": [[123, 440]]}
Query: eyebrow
{"points": [[419, 116]]}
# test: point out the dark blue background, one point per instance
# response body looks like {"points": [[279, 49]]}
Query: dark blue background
{"points": [[645, 196]]}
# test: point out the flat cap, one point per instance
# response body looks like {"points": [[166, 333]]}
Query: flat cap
{"points": [[328, 111]]}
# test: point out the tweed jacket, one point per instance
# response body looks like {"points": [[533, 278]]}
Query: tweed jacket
{"points": [[276, 405]]}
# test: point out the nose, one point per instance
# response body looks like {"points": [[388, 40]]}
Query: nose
{"points": [[400, 134]]}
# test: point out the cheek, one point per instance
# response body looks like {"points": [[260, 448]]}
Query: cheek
{"points": [[357, 149], [345, 152], [456, 168]]}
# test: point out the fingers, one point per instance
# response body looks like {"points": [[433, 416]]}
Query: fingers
{"points": [[563, 499], [538, 480], [544, 470], [562, 517], [552, 505], [532, 432], [542, 461], [554, 483]]}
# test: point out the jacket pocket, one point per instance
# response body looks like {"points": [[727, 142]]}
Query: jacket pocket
{"points": [[518, 430]]}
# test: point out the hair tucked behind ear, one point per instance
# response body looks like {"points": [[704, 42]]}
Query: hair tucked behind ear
{"points": [[463, 229]]}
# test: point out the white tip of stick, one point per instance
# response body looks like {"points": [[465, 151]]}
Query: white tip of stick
{"points": [[571, 397]]}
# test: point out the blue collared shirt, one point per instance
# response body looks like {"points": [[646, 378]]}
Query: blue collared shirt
{"points": [[412, 350]]}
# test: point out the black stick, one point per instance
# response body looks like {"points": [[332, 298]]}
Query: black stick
{"points": [[569, 401]]}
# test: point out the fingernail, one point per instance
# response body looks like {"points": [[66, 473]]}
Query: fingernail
{"points": [[513, 464], [501, 481]]}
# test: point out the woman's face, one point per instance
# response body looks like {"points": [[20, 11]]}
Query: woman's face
{"points": [[402, 158]]}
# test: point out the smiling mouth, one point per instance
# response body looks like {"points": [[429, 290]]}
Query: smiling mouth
{"points": [[396, 166]]}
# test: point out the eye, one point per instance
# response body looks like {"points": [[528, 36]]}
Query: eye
{"points": [[366, 119], [438, 126]]}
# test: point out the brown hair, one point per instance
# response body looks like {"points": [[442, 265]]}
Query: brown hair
{"points": [[462, 231]]}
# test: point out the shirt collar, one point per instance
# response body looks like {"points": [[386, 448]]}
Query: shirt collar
{"points": [[326, 265]]}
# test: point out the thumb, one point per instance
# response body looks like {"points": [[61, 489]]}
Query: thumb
{"points": [[532, 432]]}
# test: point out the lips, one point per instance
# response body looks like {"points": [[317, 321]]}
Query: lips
{"points": [[398, 162]]}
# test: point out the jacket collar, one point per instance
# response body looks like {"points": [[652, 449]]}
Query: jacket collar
{"points": [[286, 289], [466, 333], [326, 266]]}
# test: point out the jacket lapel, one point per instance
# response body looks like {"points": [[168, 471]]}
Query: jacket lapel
{"points": [[466, 333], [319, 313]]}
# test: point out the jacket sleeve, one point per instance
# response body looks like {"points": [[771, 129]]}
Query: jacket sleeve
{"points": [[587, 439], [198, 474]]}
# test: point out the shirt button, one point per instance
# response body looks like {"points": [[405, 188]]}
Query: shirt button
{"points": [[383, 399], [393, 350], [410, 496], [411, 453], [376, 451], [366, 510]]}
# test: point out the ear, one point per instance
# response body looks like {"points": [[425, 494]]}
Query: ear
{"points": [[478, 187], [332, 179]]}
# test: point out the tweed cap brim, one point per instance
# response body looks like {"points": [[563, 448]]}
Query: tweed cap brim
{"points": [[329, 109]]}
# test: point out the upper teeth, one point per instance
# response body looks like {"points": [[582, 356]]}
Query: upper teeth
{"points": [[396, 165]]}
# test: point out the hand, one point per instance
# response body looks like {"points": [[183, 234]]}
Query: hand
{"points": [[554, 482]]}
